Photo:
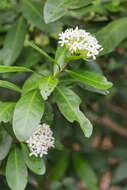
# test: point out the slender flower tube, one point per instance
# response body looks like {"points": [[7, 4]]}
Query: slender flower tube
{"points": [[80, 42], [41, 140]]}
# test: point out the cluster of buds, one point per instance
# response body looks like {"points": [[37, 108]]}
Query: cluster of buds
{"points": [[80, 42], [40, 141]]}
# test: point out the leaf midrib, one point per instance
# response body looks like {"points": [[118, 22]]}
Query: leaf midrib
{"points": [[28, 109], [101, 84]]}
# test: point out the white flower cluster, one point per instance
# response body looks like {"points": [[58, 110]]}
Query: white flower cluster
{"points": [[80, 42], [41, 141]]}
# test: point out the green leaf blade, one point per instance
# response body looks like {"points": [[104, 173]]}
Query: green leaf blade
{"points": [[16, 171], [6, 111], [77, 4], [60, 167], [27, 115], [54, 10], [47, 86], [31, 83], [91, 78], [5, 143], [85, 172], [35, 164], [110, 40], [32, 11], [15, 40], [10, 69], [68, 103], [9, 85]]}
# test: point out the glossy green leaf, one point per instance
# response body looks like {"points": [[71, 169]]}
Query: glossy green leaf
{"points": [[54, 10], [68, 103], [47, 86], [31, 83], [6, 111], [9, 69], [111, 35], [91, 78], [93, 89], [85, 172], [14, 42], [35, 164], [5, 143], [79, 4], [27, 115], [33, 12], [9, 85], [60, 167], [16, 171]]}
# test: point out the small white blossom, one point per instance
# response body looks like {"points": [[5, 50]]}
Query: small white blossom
{"points": [[41, 140], [80, 42]]}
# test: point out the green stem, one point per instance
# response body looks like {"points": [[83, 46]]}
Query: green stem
{"points": [[39, 50]]}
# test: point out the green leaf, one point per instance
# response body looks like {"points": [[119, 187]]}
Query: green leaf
{"points": [[47, 86], [29, 57], [6, 111], [9, 85], [82, 3], [120, 173], [60, 167], [48, 114], [91, 78], [27, 115], [16, 171], [35, 164], [5, 143], [32, 11], [110, 40], [68, 103], [54, 10], [93, 89], [14, 42], [59, 60], [85, 172], [9, 69], [31, 83]]}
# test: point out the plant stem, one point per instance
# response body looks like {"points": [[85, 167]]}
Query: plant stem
{"points": [[34, 46]]}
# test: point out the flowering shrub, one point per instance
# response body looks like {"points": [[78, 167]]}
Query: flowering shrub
{"points": [[54, 57]]}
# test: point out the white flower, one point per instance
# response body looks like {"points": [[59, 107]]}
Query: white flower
{"points": [[41, 141], [80, 42]]}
